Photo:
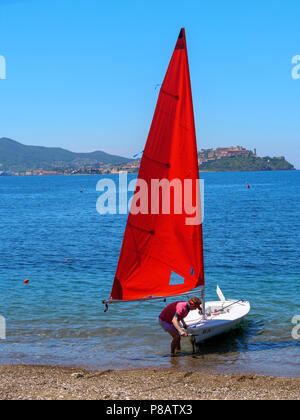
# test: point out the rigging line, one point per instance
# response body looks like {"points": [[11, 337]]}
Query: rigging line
{"points": [[139, 252], [184, 275], [130, 307], [225, 307]]}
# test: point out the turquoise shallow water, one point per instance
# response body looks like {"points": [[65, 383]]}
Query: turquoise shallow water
{"points": [[252, 240]]}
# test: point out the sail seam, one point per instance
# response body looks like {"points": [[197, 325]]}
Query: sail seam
{"points": [[148, 254], [151, 232], [170, 94], [157, 161]]}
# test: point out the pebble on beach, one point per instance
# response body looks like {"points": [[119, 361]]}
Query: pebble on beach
{"points": [[21, 382]]}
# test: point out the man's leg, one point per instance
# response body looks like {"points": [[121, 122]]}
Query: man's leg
{"points": [[175, 344]]}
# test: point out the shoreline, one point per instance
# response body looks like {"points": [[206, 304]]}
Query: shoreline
{"points": [[27, 382], [136, 173]]}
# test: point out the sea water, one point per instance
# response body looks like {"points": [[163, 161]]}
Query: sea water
{"points": [[52, 235]]}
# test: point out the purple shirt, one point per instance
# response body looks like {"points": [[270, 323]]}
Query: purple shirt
{"points": [[179, 308]]}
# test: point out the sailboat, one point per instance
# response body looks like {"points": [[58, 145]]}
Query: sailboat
{"points": [[162, 250]]}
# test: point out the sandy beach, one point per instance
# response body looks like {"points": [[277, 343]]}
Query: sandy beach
{"points": [[21, 382]]}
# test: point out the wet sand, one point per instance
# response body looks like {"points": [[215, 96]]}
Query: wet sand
{"points": [[21, 382]]}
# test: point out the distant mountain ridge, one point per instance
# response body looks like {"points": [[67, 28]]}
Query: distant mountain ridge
{"points": [[16, 156], [20, 158]]}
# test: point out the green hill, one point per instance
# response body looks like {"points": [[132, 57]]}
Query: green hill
{"points": [[248, 163], [19, 157]]}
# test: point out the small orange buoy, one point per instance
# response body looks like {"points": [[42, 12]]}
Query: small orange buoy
{"points": [[248, 186], [26, 281], [81, 191]]}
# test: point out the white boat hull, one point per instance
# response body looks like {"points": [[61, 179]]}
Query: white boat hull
{"points": [[217, 320]]}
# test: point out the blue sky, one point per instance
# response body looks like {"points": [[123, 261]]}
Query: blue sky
{"points": [[81, 74]]}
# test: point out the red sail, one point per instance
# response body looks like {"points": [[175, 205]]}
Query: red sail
{"points": [[160, 247]]}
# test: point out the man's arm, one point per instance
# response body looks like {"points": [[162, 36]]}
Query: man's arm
{"points": [[183, 324], [177, 326]]}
